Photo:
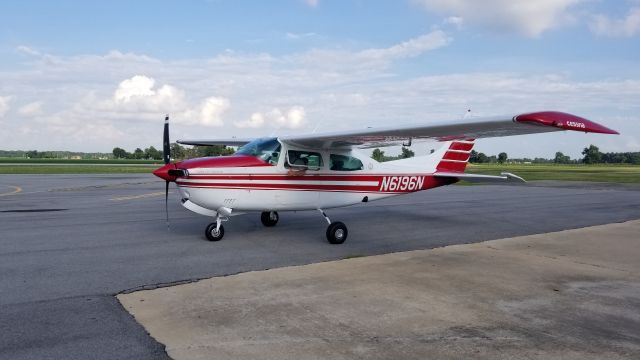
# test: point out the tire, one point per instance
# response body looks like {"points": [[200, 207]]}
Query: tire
{"points": [[337, 233], [210, 232], [269, 218]]}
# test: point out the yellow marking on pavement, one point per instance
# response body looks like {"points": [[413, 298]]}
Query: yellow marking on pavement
{"points": [[122, 198], [16, 189]]}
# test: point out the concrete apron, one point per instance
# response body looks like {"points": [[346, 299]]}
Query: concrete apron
{"points": [[572, 294]]}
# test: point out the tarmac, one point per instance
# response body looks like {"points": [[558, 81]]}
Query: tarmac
{"points": [[573, 294], [70, 243]]}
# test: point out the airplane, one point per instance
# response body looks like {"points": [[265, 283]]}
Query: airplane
{"points": [[330, 170]]}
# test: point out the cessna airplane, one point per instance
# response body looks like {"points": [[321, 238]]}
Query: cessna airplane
{"points": [[330, 170]]}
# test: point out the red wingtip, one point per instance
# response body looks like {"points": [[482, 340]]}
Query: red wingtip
{"points": [[563, 121]]}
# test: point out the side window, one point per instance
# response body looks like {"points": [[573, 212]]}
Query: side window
{"points": [[304, 159], [344, 163]]}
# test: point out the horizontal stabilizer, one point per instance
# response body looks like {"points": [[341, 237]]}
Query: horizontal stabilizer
{"points": [[505, 176]]}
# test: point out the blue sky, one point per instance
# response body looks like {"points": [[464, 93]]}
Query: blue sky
{"points": [[89, 76]]}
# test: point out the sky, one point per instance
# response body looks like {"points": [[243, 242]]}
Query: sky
{"points": [[93, 75]]}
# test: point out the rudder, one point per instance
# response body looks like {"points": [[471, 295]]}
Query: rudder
{"points": [[456, 158]]}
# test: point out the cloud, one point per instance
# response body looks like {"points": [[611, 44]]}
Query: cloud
{"points": [[26, 50], [298, 36], [626, 27], [369, 61], [4, 105], [456, 21], [530, 18], [294, 118], [312, 3], [139, 94], [97, 101], [256, 121], [409, 48], [31, 109], [211, 111]]}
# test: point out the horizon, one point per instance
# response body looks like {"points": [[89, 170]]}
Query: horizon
{"points": [[71, 81]]}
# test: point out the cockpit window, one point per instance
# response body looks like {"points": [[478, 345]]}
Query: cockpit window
{"points": [[264, 149], [344, 163]]}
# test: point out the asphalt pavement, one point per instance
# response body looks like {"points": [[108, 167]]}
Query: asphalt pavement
{"points": [[69, 243]]}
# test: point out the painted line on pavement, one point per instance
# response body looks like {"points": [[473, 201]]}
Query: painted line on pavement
{"points": [[16, 189], [122, 198]]}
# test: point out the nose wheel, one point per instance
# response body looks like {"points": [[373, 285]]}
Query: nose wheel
{"points": [[213, 232]]}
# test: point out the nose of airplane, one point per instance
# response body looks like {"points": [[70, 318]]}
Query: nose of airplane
{"points": [[163, 172]]}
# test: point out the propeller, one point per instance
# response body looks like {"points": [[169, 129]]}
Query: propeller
{"points": [[166, 155]]}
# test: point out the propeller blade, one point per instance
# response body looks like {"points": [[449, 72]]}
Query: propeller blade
{"points": [[166, 144], [166, 201]]}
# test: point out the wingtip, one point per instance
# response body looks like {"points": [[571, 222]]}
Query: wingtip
{"points": [[564, 121]]}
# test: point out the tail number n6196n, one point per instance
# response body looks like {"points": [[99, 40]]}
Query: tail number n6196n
{"points": [[401, 183]]}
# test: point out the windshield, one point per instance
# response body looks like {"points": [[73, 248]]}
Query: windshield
{"points": [[264, 149]]}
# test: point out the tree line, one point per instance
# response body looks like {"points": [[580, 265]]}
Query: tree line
{"points": [[591, 155], [178, 152]]}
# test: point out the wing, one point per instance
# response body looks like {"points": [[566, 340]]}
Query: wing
{"points": [[227, 142], [473, 128]]}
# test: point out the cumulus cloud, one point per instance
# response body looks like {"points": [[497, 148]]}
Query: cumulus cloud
{"points": [[626, 27], [211, 111], [139, 94], [293, 118], [530, 18], [31, 109], [4, 105], [256, 121]]}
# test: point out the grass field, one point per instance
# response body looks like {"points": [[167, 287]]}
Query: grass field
{"points": [[75, 162], [579, 172], [76, 169], [66, 166], [530, 172]]}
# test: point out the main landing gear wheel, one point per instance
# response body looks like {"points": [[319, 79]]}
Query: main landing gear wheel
{"points": [[214, 234], [269, 218], [337, 233]]}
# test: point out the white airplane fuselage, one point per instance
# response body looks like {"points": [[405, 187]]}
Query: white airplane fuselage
{"points": [[239, 183]]}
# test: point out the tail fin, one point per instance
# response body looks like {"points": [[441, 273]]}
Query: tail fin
{"points": [[456, 157]]}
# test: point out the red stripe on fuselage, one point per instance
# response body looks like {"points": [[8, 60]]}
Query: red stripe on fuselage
{"points": [[429, 182]]}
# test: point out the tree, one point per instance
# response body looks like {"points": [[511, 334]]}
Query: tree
{"points": [[214, 150], [152, 153], [177, 151], [502, 157], [592, 155], [473, 157], [119, 153], [482, 158], [561, 158], [138, 153], [378, 155], [406, 153]]}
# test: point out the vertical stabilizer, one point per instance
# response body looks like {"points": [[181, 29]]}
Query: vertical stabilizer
{"points": [[456, 157]]}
